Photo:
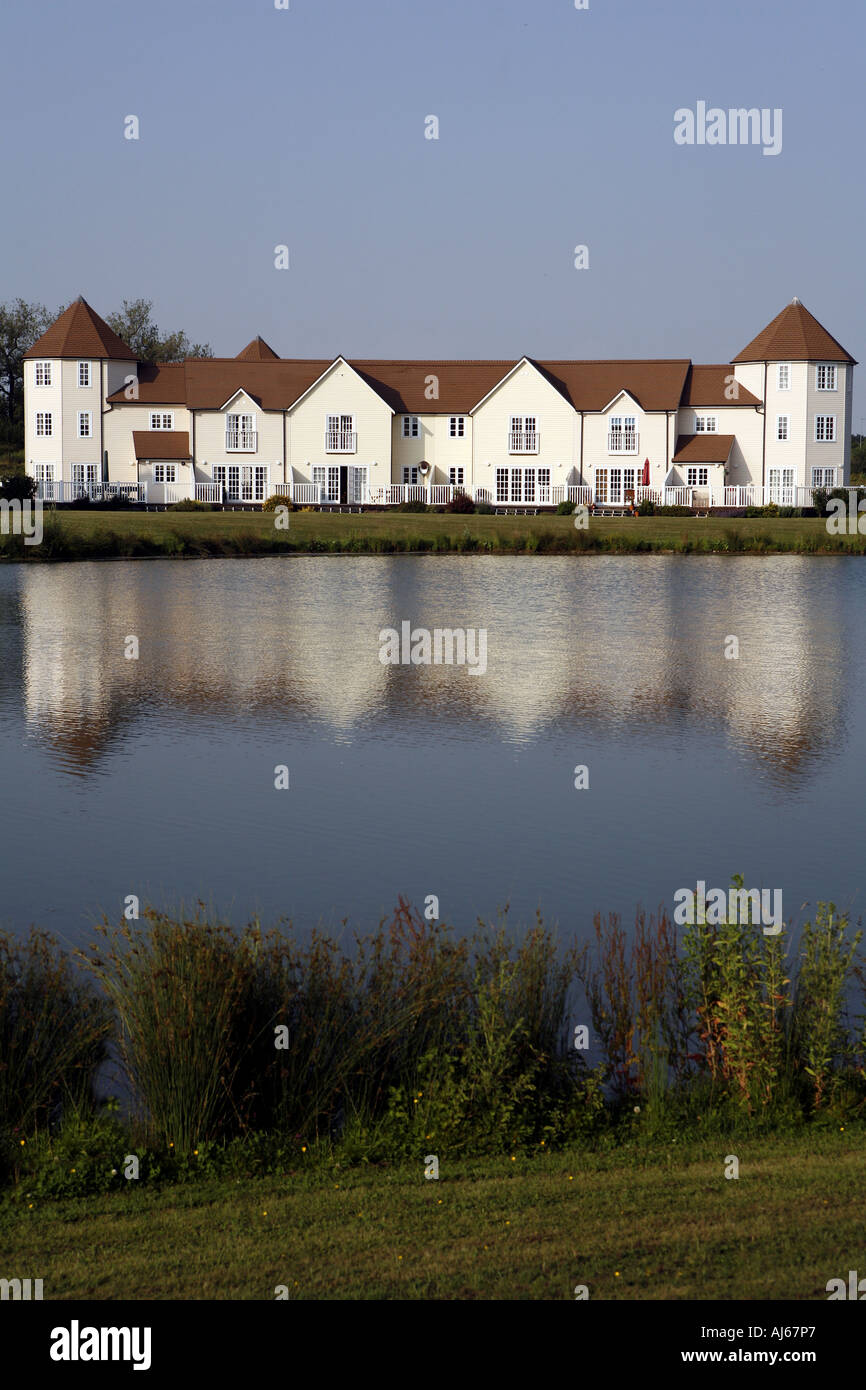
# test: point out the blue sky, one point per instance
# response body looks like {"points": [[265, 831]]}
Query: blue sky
{"points": [[305, 127]]}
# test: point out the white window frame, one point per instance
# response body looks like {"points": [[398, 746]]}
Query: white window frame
{"points": [[165, 472], [820, 477], [825, 429], [455, 477], [783, 376], [44, 475], [158, 419], [85, 475], [410, 475], [87, 432], [706, 424], [457, 426], [826, 376], [697, 475], [523, 435], [44, 424], [783, 429], [84, 371], [242, 428], [340, 434], [781, 486], [622, 435], [42, 368], [411, 427]]}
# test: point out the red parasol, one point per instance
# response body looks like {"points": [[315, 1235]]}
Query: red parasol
{"points": [[645, 478]]}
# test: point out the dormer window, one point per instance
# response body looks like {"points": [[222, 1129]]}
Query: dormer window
{"points": [[410, 426], [706, 424], [43, 373], [825, 376]]}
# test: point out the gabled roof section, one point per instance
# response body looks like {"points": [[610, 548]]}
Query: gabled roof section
{"points": [[703, 448], [241, 391], [80, 332], [524, 362], [161, 444], [795, 335], [257, 351], [712, 385], [332, 366], [210, 382], [433, 388], [618, 397]]}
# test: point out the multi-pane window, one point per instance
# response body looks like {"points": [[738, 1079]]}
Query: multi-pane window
{"points": [[161, 420], [44, 475], [248, 482], [85, 424], [455, 477], [524, 434], [410, 426], [84, 475], [44, 427], [781, 482], [697, 477], [43, 373], [84, 374], [502, 484], [782, 424], [456, 426], [823, 477], [340, 437], [328, 479], [165, 473], [825, 429], [622, 436], [410, 475], [825, 376], [241, 432], [783, 380], [706, 424]]}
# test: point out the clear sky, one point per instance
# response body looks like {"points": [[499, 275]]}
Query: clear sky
{"points": [[306, 127]]}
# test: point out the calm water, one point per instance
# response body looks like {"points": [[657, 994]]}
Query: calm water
{"points": [[156, 776]]}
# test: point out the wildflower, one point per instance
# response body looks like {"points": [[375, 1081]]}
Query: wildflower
{"points": [[23, 1141], [303, 1148], [195, 1151], [264, 1213], [616, 1274], [513, 1159], [29, 1206], [570, 1178], [637, 1110]]}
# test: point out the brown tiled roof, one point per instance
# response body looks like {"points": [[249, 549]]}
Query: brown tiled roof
{"points": [[257, 351], [210, 382], [406, 385], [80, 332], [795, 335], [703, 448], [161, 444], [593, 385], [163, 384], [707, 386]]}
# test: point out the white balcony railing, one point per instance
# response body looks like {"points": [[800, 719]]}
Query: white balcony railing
{"points": [[241, 441], [523, 441], [623, 442], [65, 491], [208, 492], [341, 441]]}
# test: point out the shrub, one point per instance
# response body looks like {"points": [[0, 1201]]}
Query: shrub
{"points": [[189, 504], [18, 487], [646, 507], [460, 502], [271, 503], [484, 509], [674, 511], [410, 507], [565, 509]]}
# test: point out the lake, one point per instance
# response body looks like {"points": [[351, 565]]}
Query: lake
{"points": [[156, 775]]}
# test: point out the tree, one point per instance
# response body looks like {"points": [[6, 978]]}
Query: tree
{"points": [[134, 324], [20, 326]]}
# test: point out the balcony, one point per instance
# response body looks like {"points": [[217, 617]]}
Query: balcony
{"points": [[623, 442], [341, 441], [241, 441], [524, 442]]}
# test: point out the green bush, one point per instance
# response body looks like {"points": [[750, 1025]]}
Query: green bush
{"points": [[410, 507], [646, 507], [271, 503], [484, 509], [460, 502], [189, 504], [17, 487], [565, 509]]}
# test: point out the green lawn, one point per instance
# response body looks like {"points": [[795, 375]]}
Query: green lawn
{"points": [[651, 1223], [102, 534]]}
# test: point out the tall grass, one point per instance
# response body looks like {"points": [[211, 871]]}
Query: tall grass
{"points": [[53, 1034]]}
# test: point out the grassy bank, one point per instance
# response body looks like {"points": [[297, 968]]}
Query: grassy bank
{"points": [[647, 1222], [97, 534]]}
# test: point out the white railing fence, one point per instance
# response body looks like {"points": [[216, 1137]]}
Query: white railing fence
{"points": [[64, 491]]}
